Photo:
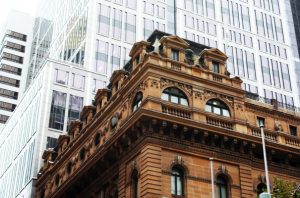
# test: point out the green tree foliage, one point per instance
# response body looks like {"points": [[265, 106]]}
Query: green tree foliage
{"points": [[285, 189]]}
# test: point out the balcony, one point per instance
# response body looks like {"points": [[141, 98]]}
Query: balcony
{"points": [[176, 110], [223, 123]]}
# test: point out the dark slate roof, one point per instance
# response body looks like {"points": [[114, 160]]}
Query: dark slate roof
{"points": [[157, 34]]}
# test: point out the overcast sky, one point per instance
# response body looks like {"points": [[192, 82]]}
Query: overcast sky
{"points": [[28, 6]]}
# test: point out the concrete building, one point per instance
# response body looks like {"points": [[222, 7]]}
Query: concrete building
{"points": [[15, 49], [154, 130], [77, 44]]}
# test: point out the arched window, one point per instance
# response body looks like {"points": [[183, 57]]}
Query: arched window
{"points": [[222, 187], [137, 101], [175, 95], [261, 187], [135, 181], [217, 107], [177, 181]]}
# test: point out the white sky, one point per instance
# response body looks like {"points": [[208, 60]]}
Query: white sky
{"points": [[27, 6]]}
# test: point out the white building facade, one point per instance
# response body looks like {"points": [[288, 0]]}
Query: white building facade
{"points": [[77, 44], [15, 50]]}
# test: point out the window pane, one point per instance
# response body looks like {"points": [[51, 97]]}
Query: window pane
{"points": [[78, 81], [174, 99], [179, 185], [226, 113], [101, 56], [165, 96], [57, 112], [104, 18], [75, 107], [173, 188], [208, 108], [217, 110], [117, 24], [130, 28], [62, 77], [184, 101]]}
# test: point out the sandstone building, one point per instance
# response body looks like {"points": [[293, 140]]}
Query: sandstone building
{"points": [[152, 131]]}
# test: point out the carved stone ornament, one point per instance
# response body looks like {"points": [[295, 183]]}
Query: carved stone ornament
{"points": [[153, 83], [199, 94], [239, 106], [223, 169], [211, 94], [278, 126], [167, 83]]}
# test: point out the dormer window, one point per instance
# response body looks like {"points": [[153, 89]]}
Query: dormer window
{"points": [[216, 67], [137, 60], [175, 54], [116, 86]]}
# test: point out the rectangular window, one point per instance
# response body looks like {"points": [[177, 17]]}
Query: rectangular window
{"points": [[14, 46], [98, 84], [282, 52], [161, 11], [9, 81], [216, 67], [7, 106], [251, 66], [101, 56], [148, 8], [126, 55], [240, 62], [115, 57], [248, 41], [279, 30], [117, 24], [260, 23], [148, 27], [3, 119], [8, 94], [188, 5], [75, 108], [131, 4], [11, 69], [104, 20], [276, 76], [293, 130], [61, 76], [130, 28], [225, 12], [210, 9], [57, 112], [235, 13], [211, 29], [200, 25], [16, 35], [51, 142], [275, 5], [269, 26], [189, 21], [265, 70], [78, 81], [260, 122], [175, 55], [12, 57], [285, 76], [230, 60], [199, 6], [189, 36], [246, 18]]}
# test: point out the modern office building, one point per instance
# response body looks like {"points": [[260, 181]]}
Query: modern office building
{"points": [[169, 125], [15, 49], [77, 44]]}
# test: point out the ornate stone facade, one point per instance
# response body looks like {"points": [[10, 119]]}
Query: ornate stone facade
{"points": [[166, 114]]}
